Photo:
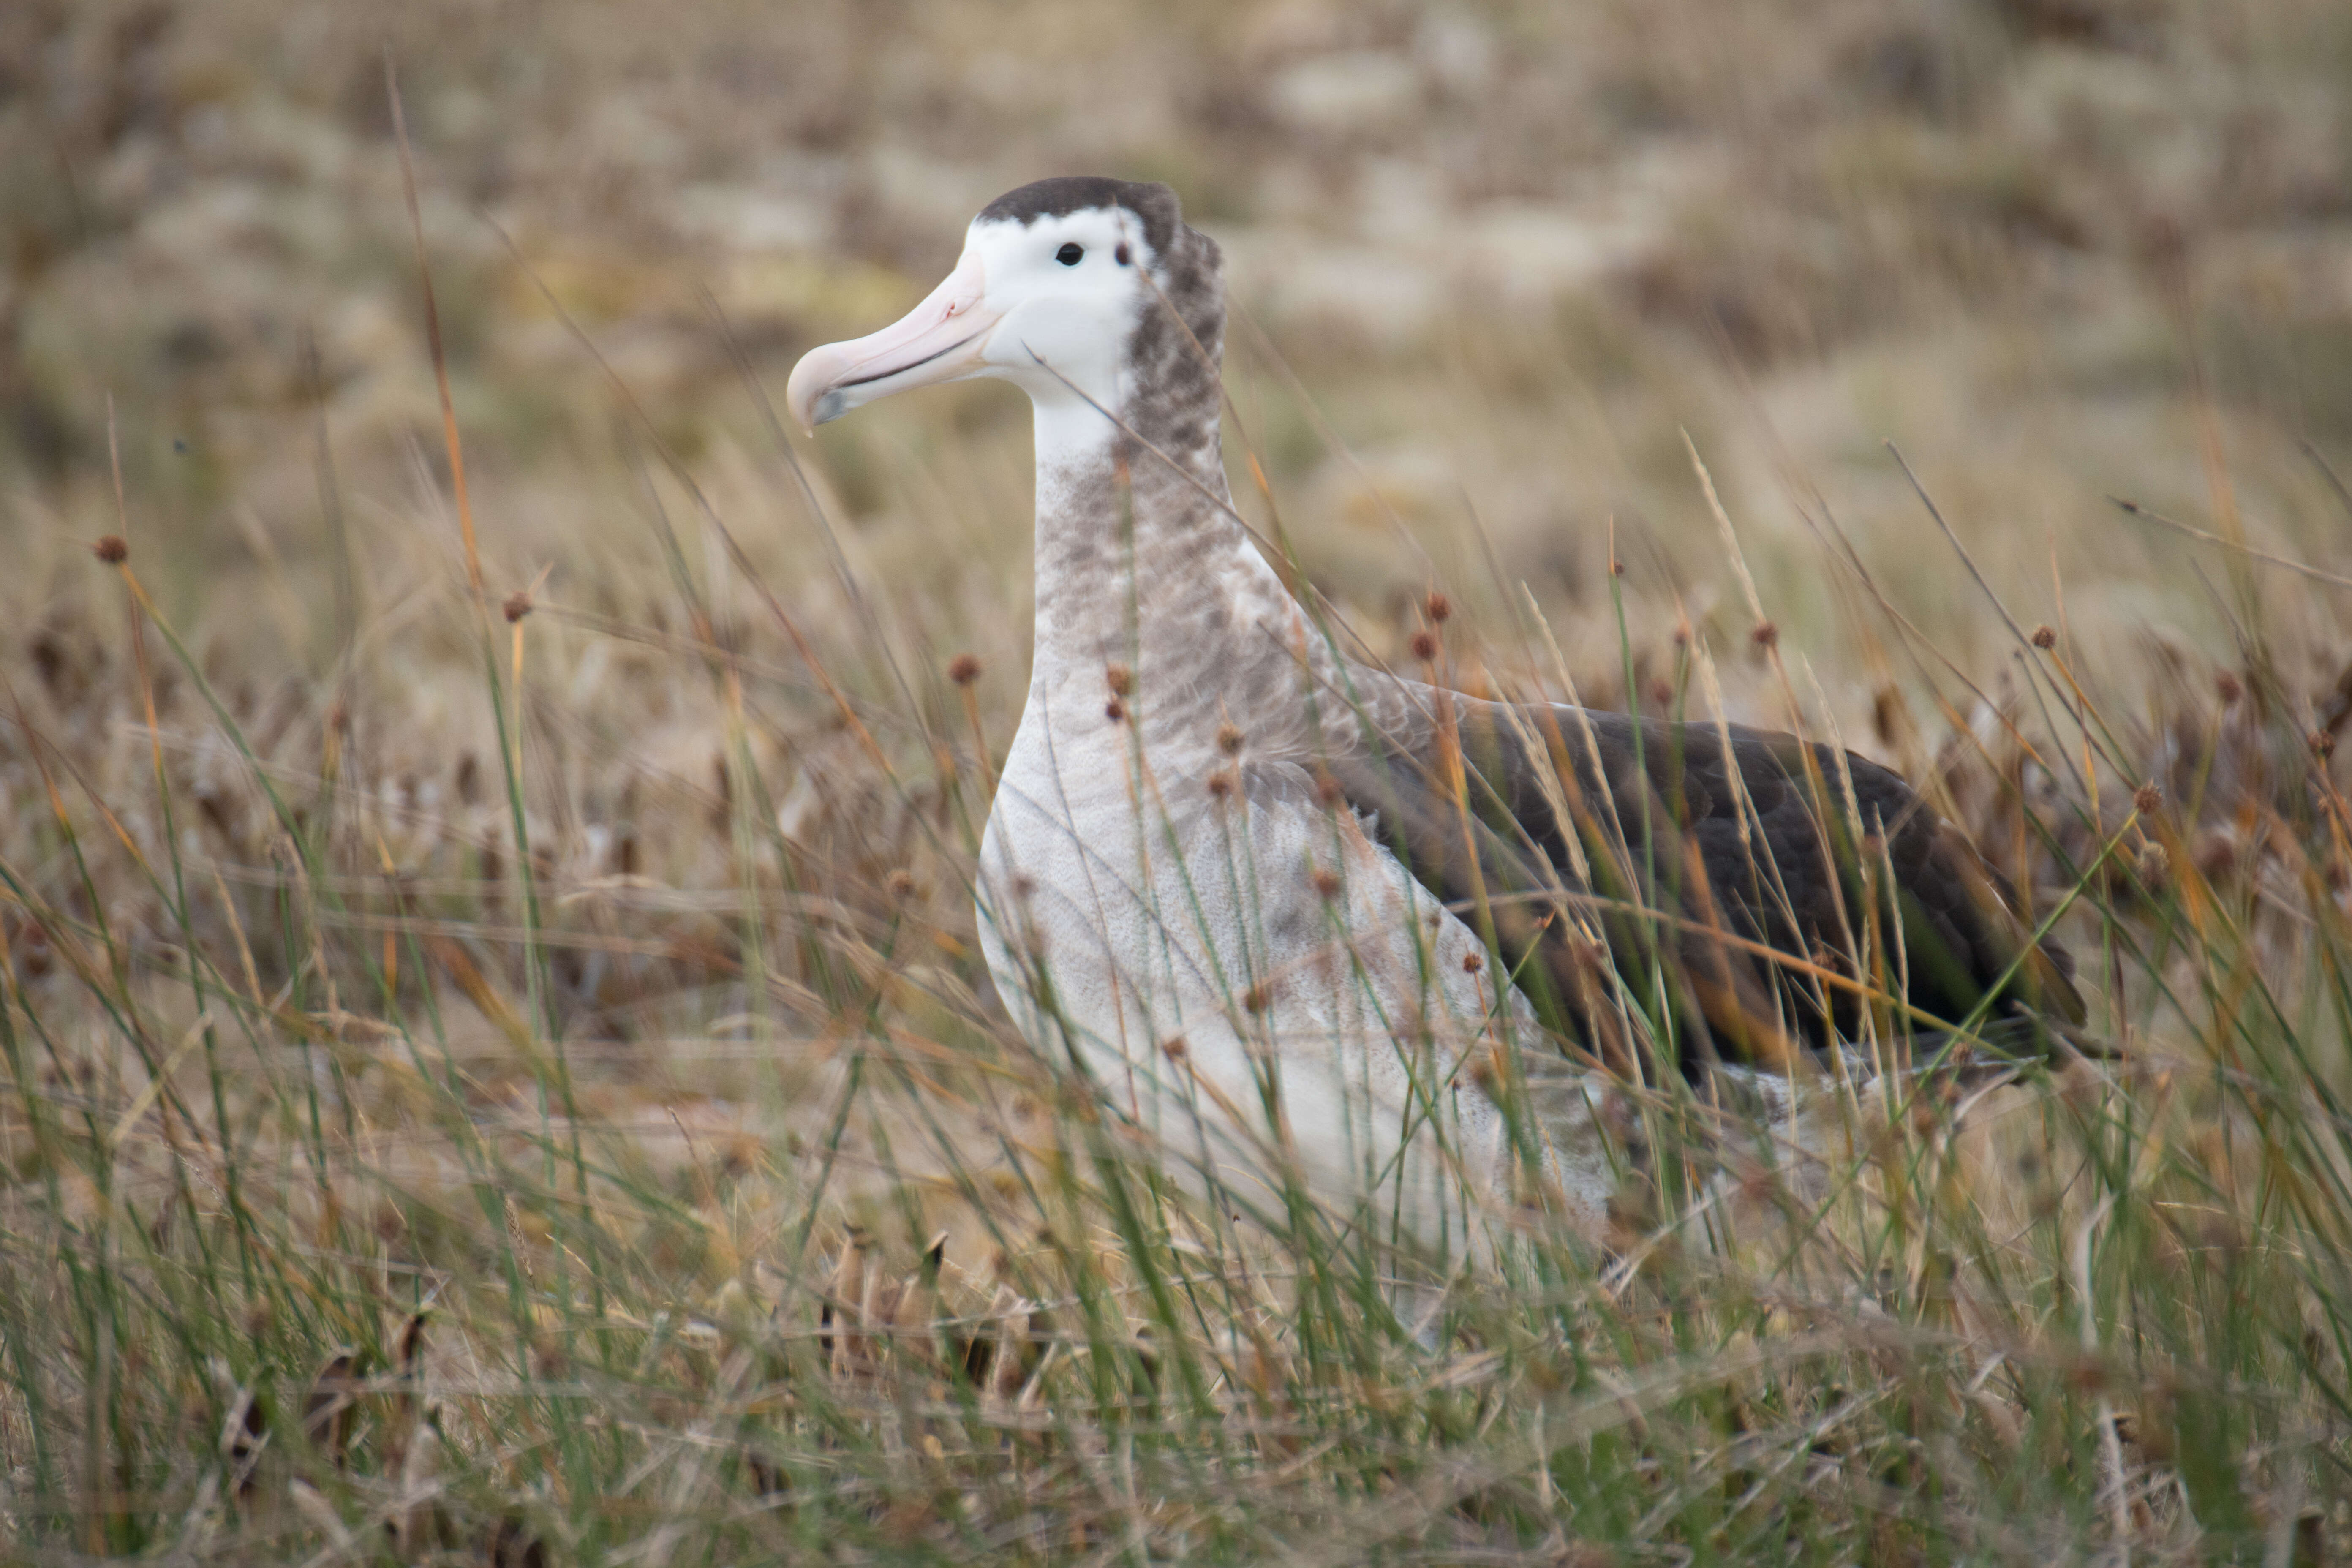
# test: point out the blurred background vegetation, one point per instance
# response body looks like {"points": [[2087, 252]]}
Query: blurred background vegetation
{"points": [[1492, 263], [1510, 249]]}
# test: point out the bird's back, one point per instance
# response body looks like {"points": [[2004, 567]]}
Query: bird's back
{"points": [[1783, 891]]}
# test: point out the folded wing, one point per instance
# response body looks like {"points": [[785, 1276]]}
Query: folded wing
{"points": [[1752, 894]]}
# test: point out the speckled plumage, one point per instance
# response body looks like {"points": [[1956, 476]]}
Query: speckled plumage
{"points": [[1144, 884], [1227, 869]]}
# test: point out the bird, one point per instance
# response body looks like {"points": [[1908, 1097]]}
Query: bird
{"points": [[1308, 923]]}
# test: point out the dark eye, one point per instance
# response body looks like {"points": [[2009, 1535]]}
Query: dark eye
{"points": [[1070, 255], [1120, 255]]}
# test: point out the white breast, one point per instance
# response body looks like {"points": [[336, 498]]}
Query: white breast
{"points": [[1256, 984]]}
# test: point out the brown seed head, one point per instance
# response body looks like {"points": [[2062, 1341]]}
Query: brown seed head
{"points": [[1471, 963], [1259, 997], [1326, 882], [1229, 739], [1327, 791], [963, 669], [114, 550], [2044, 638], [516, 606], [2323, 742], [1221, 783], [1424, 647], [1766, 634], [1440, 609], [2227, 685], [1172, 1047], [1114, 710], [2146, 798], [1121, 679], [900, 883], [1682, 634]]}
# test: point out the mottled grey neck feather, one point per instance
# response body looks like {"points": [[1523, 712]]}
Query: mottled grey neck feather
{"points": [[1208, 630]]}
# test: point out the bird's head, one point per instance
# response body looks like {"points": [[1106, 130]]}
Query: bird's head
{"points": [[1081, 290]]}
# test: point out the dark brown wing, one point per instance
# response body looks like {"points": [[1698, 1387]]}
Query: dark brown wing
{"points": [[1766, 890]]}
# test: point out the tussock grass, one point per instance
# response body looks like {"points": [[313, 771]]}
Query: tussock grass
{"points": [[516, 1173], [506, 1074]]}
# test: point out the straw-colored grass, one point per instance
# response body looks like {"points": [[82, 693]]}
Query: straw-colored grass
{"points": [[497, 1064]]}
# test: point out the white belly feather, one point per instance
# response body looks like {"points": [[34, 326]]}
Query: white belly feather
{"points": [[1258, 986]]}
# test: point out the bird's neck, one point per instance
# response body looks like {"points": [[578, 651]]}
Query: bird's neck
{"points": [[1143, 564]]}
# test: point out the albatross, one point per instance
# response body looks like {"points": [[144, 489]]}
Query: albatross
{"points": [[1311, 923]]}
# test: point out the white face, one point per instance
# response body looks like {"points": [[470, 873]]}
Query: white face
{"points": [[1049, 305], [1068, 298]]}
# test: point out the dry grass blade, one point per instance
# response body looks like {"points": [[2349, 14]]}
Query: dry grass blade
{"points": [[2235, 546], [450, 442], [331, 1407]]}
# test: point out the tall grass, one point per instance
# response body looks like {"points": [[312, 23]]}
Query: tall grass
{"points": [[518, 1174]]}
